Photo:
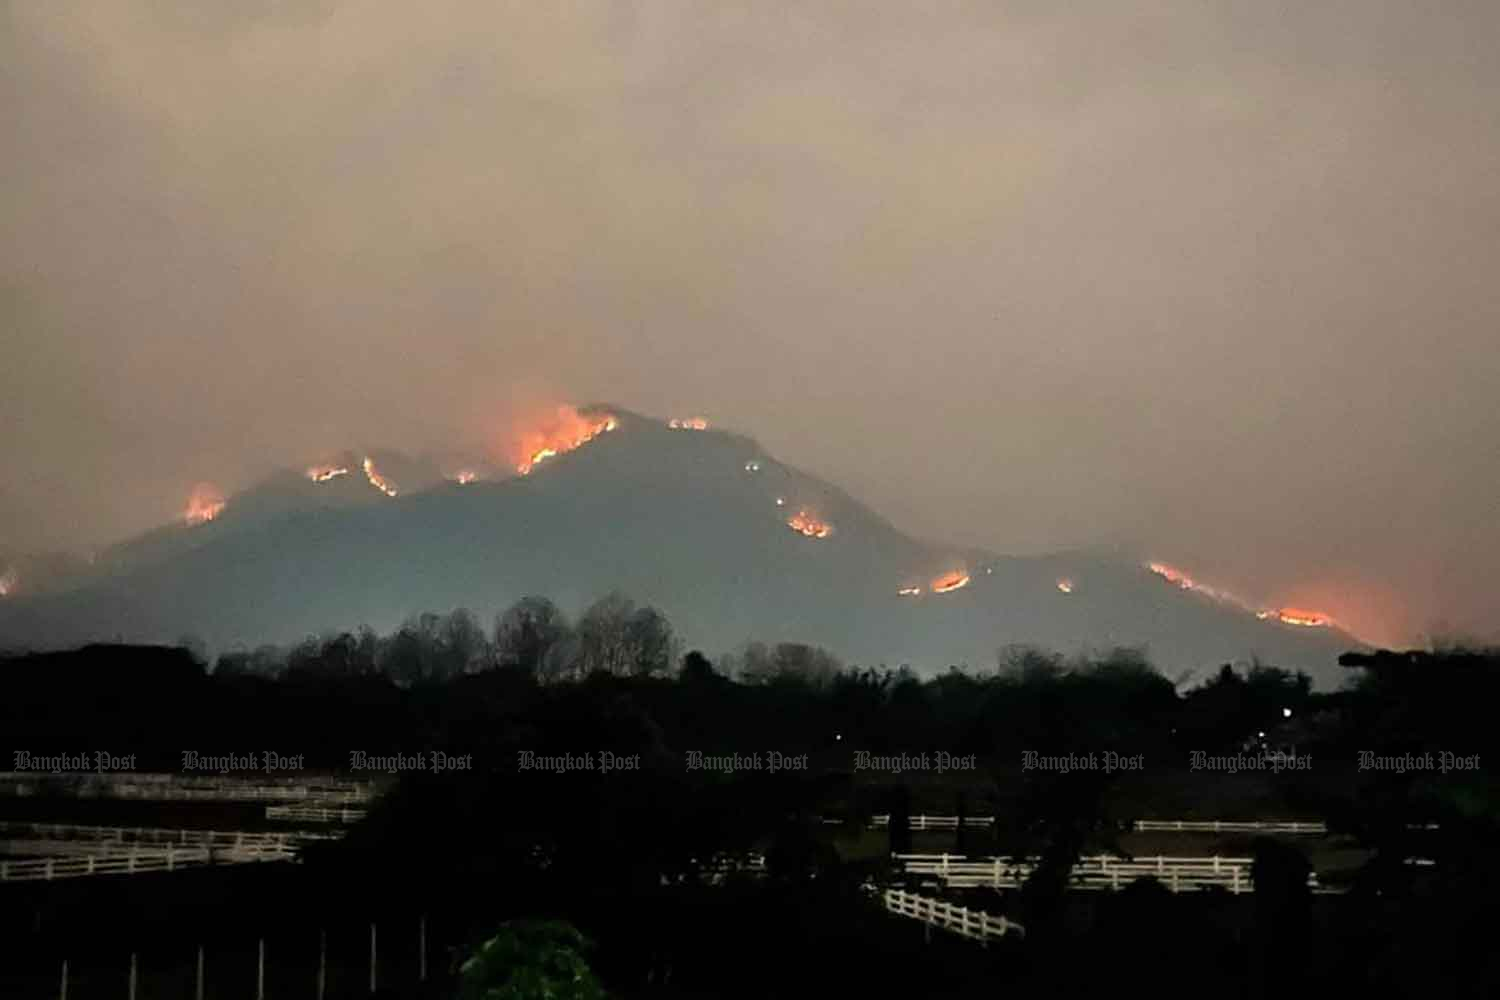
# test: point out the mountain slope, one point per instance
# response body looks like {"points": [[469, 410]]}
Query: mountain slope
{"points": [[686, 520]]}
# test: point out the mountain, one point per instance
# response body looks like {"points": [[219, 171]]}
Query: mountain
{"points": [[695, 522]]}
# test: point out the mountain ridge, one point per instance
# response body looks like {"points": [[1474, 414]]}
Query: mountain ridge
{"points": [[687, 520]]}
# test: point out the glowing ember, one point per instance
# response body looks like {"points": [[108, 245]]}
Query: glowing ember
{"points": [[464, 477], [566, 430], [688, 424], [1171, 574], [1287, 616], [781, 501], [950, 582], [1303, 617], [10, 582], [1065, 585], [323, 473], [204, 504], [752, 466], [378, 481], [807, 524], [910, 591]]}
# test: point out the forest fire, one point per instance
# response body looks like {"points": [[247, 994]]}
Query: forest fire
{"points": [[808, 524], [378, 481], [10, 582], [565, 431], [1287, 616], [688, 424], [949, 582], [910, 591], [1171, 574], [464, 477], [204, 504], [323, 473], [1303, 617], [1065, 585]]}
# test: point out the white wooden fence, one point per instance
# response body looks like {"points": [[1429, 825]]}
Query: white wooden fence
{"points": [[17, 830], [182, 787], [925, 822], [1229, 826], [1179, 874], [316, 814], [134, 859], [974, 924]]}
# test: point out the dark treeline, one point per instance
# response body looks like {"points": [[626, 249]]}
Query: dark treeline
{"points": [[622, 855]]}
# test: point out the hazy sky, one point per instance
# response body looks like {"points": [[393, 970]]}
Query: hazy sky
{"points": [[1217, 281]]}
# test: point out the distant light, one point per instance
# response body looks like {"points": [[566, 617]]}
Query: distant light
{"points": [[780, 501], [1286, 713], [752, 466], [1066, 586], [838, 736], [1262, 734]]}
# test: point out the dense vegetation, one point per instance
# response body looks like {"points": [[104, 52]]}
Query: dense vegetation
{"points": [[622, 855]]}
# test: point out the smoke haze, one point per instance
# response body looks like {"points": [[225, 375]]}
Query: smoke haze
{"points": [[1213, 281]]}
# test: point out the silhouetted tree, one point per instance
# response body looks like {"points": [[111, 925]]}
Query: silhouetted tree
{"points": [[526, 631]]}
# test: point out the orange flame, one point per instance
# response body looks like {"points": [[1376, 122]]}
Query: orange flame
{"points": [[1171, 574], [688, 424], [464, 477], [323, 473], [566, 430], [10, 582], [1287, 616], [1303, 617], [805, 523], [950, 582], [1065, 585], [378, 481], [204, 504]]}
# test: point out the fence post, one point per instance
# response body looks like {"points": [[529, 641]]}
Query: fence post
{"points": [[422, 948], [132, 976], [322, 961], [372, 956], [198, 975], [260, 969], [62, 988]]}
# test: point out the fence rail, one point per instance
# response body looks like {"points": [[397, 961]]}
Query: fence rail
{"points": [[925, 822], [136, 859], [18, 830], [316, 814], [1229, 826], [1179, 874], [975, 924], [180, 787]]}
